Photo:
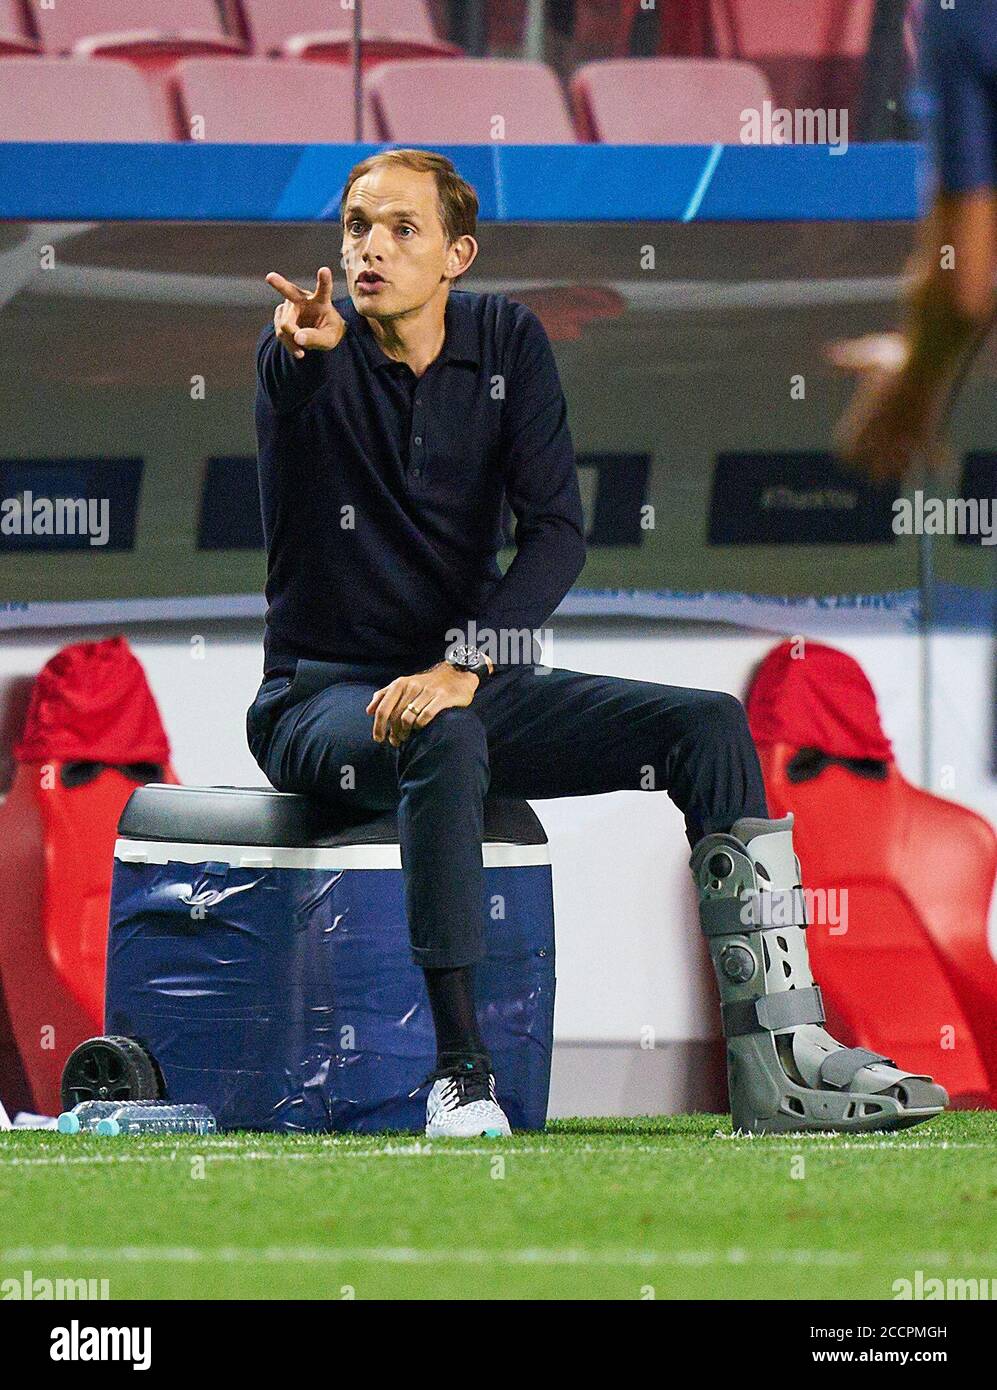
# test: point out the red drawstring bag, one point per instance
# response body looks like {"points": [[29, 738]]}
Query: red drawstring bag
{"points": [[820, 700], [92, 703]]}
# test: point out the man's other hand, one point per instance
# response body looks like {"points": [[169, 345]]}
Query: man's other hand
{"points": [[410, 702]]}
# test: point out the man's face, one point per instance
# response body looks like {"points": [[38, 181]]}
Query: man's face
{"points": [[392, 230]]}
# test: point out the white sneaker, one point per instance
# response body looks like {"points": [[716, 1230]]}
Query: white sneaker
{"points": [[462, 1105]]}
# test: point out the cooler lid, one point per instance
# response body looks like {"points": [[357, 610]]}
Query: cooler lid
{"points": [[259, 816]]}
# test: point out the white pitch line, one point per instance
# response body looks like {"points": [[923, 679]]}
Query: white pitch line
{"points": [[401, 1254], [259, 1156], [211, 1151], [395, 1254]]}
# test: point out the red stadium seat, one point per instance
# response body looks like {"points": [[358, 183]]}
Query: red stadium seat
{"points": [[58, 826], [316, 29], [666, 101], [15, 1093], [787, 28], [151, 31], [14, 35], [247, 100], [812, 53], [457, 101], [56, 860], [912, 975], [69, 99]]}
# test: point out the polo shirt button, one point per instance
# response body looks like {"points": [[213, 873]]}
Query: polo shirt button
{"points": [[416, 472], [418, 439]]}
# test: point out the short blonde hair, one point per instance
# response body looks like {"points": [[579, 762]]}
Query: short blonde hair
{"points": [[458, 202]]}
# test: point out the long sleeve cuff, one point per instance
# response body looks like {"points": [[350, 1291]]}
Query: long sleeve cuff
{"points": [[287, 381]]}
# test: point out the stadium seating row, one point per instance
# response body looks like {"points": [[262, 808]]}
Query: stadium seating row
{"points": [[818, 30], [252, 71], [147, 30], [432, 100]]}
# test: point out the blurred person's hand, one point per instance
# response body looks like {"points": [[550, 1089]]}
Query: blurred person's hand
{"points": [[891, 425], [307, 320]]}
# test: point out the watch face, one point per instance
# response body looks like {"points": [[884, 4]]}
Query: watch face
{"points": [[467, 659]]}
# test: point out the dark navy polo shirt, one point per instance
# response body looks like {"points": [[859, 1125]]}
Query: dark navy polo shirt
{"points": [[382, 491]]}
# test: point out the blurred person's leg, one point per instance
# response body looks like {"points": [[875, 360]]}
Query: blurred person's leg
{"points": [[908, 379]]}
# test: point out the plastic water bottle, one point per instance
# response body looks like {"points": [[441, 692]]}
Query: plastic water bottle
{"points": [[152, 1117], [85, 1115]]}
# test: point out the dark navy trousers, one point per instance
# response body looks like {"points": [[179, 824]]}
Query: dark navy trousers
{"points": [[530, 731]]}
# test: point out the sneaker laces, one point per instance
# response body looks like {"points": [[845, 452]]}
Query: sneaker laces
{"points": [[467, 1082]]}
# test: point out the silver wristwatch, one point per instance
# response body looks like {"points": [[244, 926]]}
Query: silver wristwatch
{"points": [[464, 658]]}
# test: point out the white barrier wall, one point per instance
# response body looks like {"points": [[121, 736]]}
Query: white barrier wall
{"points": [[630, 956]]}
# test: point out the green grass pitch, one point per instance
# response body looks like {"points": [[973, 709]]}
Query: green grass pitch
{"points": [[671, 1207]]}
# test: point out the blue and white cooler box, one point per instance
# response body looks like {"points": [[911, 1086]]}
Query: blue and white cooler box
{"points": [[258, 949]]}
